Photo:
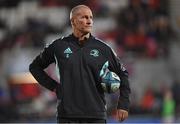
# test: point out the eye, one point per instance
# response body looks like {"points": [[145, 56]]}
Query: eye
{"points": [[86, 17]]}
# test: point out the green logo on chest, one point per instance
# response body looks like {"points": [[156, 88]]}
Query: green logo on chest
{"points": [[94, 53]]}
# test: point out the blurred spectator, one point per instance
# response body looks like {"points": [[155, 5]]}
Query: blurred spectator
{"points": [[168, 108], [127, 19], [152, 47], [148, 101], [163, 34]]}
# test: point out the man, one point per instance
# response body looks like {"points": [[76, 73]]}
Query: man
{"points": [[80, 58]]}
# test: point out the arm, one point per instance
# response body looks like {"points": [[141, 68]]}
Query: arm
{"points": [[45, 58], [123, 101]]}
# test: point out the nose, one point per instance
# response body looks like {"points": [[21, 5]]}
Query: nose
{"points": [[89, 21]]}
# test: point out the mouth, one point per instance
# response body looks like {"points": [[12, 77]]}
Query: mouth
{"points": [[89, 26]]}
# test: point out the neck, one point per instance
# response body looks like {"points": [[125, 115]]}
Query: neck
{"points": [[81, 36], [84, 37]]}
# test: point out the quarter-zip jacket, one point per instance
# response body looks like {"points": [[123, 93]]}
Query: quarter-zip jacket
{"points": [[80, 90]]}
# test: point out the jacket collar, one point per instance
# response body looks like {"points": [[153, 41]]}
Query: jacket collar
{"points": [[76, 40]]}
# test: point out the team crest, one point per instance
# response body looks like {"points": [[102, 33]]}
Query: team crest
{"points": [[94, 53]]}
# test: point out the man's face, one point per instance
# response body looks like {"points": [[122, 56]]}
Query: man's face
{"points": [[83, 20]]}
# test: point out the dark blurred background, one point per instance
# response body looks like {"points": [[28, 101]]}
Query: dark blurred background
{"points": [[144, 34]]}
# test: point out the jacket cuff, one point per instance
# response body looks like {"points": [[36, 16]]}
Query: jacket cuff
{"points": [[123, 104]]}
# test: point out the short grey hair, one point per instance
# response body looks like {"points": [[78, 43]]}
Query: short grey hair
{"points": [[76, 8]]}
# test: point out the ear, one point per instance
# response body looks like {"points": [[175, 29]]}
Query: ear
{"points": [[73, 22]]}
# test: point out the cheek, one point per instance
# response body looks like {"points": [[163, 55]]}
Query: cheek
{"points": [[80, 25]]}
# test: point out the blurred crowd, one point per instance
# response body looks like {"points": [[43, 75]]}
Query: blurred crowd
{"points": [[135, 28], [142, 26]]}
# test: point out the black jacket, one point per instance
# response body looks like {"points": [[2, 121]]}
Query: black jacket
{"points": [[79, 67]]}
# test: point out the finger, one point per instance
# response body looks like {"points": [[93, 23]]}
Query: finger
{"points": [[120, 115], [117, 115], [123, 117]]}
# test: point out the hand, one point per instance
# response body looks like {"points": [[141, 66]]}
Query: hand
{"points": [[122, 114]]}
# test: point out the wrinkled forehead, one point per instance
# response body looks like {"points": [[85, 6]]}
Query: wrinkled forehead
{"points": [[83, 11]]}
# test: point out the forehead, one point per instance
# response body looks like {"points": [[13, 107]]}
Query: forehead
{"points": [[83, 11]]}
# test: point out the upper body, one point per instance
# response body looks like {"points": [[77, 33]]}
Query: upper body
{"points": [[80, 58]]}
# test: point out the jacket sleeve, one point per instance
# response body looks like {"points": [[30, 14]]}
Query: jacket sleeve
{"points": [[119, 69], [42, 61]]}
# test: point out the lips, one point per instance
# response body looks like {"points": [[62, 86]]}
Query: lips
{"points": [[89, 26]]}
